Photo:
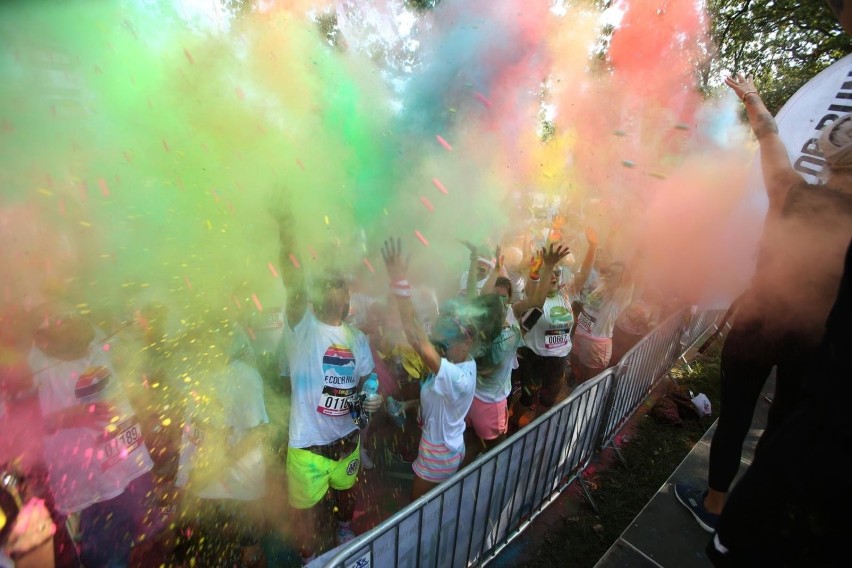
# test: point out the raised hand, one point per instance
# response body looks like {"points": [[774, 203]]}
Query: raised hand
{"points": [[741, 85], [591, 236], [535, 264], [396, 265], [554, 254], [470, 246]]}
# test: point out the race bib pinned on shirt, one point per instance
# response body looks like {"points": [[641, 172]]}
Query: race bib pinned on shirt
{"points": [[586, 322], [119, 444], [554, 338], [339, 382], [270, 320]]}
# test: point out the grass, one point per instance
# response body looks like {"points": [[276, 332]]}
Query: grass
{"points": [[652, 452]]}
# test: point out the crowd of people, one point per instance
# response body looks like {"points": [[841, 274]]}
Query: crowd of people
{"points": [[175, 445], [197, 445]]}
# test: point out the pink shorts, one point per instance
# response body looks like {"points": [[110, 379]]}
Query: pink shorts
{"points": [[593, 352], [489, 419]]}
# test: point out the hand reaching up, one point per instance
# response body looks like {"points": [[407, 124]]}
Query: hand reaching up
{"points": [[396, 265], [554, 254]]}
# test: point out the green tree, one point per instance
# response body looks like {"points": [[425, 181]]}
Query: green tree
{"points": [[782, 43]]}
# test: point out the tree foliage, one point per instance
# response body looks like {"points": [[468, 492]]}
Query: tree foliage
{"points": [[782, 43]]}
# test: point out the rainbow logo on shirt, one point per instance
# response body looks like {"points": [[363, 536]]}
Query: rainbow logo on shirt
{"points": [[92, 383], [340, 360], [339, 383]]}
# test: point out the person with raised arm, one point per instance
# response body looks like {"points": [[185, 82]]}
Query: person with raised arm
{"points": [[779, 319], [543, 359], [447, 392], [328, 362], [488, 419]]}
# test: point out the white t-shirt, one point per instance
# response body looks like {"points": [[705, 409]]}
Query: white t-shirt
{"points": [[326, 365], [445, 400], [463, 284], [495, 385], [95, 463], [551, 335], [217, 419], [601, 309]]}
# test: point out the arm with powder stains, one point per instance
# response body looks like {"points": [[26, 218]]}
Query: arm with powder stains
{"points": [[470, 285], [588, 261], [778, 172], [292, 276], [499, 270]]}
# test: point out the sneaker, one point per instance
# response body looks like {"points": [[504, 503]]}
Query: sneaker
{"points": [[693, 500], [344, 532]]}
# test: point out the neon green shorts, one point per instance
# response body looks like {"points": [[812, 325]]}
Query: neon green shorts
{"points": [[310, 476]]}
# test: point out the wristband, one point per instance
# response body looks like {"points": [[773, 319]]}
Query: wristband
{"points": [[747, 93], [401, 288], [534, 277]]}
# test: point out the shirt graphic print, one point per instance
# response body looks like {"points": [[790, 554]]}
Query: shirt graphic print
{"points": [[339, 381]]}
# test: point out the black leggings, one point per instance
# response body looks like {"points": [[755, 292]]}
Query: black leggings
{"points": [[747, 360], [541, 378]]}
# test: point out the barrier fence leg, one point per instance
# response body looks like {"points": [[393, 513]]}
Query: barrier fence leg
{"points": [[587, 493], [618, 453], [685, 363]]}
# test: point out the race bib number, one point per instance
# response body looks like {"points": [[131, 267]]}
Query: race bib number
{"points": [[339, 382], [585, 322], [335, 401], [554, 338], [270, 321], [117, 445]]}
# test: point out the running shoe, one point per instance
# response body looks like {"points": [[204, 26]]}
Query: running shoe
{"points": [[693, 499], [344, 532]]}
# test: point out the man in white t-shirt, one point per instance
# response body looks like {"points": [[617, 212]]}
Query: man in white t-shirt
{"points": [[97, 460], [328, 361], [221, 460]]}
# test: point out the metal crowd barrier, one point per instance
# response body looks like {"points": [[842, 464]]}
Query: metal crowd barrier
{"points": [[699, 324], [642, 368], [470, 518]]}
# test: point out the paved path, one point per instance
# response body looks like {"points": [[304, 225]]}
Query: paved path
{"points": [[664, 534]]}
